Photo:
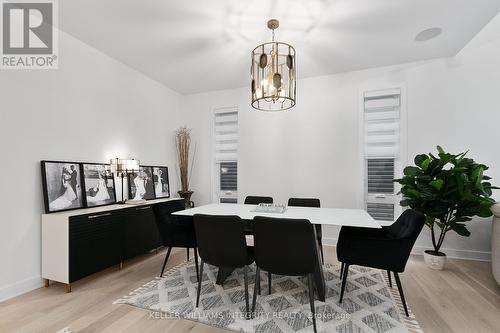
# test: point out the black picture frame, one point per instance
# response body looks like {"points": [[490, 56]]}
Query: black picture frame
{"points": [[60, 185], [165, 182], [146, 173], [89, 171]]}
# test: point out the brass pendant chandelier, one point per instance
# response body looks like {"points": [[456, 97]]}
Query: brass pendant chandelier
{"points": [[273, 74]]}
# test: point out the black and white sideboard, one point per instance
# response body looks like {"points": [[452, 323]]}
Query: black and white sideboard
{"points": [[81, 242]]}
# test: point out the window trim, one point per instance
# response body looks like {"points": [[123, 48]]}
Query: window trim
{"points": [[399, 162], [214, 166]]}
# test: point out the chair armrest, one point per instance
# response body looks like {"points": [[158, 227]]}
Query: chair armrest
{"points": [[359, 232], [383, 253]]}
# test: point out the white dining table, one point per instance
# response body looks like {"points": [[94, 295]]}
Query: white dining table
{"points": [[323, 216]]}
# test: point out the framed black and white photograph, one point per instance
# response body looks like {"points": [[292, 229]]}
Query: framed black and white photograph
{"points": [[62, 188], [98, 185], [141, 184], [160, 178]]}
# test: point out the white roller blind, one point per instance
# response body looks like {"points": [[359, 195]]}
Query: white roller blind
{"points": [[381, 123], [226, 135], [381, 141]]}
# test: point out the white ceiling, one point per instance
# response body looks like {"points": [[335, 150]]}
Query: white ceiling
{"points": [[203, 45]]}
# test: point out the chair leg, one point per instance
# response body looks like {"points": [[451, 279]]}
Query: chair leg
{"points": [[196, 263], [187, 253], [311, 299], [342, 270], [247, 308], [269, 279], [258, 286], [400, 288], [390, 279], [321, 250], [257, 283], [198, 292], [165, 261], [344, 281]]}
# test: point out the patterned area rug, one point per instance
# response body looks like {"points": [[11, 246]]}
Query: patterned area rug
{"points": [[369, 305]]}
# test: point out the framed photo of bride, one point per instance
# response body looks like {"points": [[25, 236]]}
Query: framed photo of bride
{"points": [[62, 188], [160, 179], [140, 184], [98, 185]]}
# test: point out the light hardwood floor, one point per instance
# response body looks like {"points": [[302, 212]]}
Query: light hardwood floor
{"points": [[462, 298]]}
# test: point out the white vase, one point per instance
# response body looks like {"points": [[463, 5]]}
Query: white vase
{"points": [[495, 242], [434, 261]]}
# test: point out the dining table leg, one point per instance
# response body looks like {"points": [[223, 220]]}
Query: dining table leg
{"points": [[222, 275], [319, 278]]}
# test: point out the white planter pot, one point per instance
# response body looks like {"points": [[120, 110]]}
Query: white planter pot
{"points": [[495, 242], [434, 261]]}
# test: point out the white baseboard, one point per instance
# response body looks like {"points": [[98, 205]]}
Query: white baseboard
{"points": [[457, 254], [20, 288], [451, 253]]}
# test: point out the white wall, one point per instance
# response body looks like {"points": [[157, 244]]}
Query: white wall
{"points": [[313, 150], [92, 108]]}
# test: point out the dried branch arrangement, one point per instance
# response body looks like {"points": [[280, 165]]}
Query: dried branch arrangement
{"points": [[183, 143]]}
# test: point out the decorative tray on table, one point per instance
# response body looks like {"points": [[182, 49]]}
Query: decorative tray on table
{"points": [[270, 208]]}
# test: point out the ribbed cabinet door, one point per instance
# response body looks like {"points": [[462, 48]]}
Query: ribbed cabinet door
{"points": [[95, 243], [140, 231]]}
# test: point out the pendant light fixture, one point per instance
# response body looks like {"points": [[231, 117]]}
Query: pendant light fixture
{"points": [[273, 71]]}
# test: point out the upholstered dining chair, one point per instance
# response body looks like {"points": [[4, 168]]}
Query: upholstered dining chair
{"points": [[255, 200], [175, 230], [222, 243], [315, 203], [293, 253], [388, 248]]}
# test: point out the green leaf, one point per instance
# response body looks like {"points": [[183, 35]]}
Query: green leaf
{"points": [[405, 202], [419, 159], [440, 150], [477, 176], [412, 193], [425, 164], [460, 229], [429, 221], [462, 219], [411, 171], [437, 184]]}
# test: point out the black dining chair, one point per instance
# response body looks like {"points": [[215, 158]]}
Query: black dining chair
{"points": [[388, 248], [175, 230], [285, 247], [315, 203], [255, 200], [222, 243]]}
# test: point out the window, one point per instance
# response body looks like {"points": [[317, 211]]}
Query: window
{"points": [[225, 189], [381, 122]]}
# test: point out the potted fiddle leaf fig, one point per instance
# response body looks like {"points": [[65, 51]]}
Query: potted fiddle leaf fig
{"points": [[449, 189]]}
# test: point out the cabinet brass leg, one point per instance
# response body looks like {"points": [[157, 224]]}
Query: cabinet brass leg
{"points": [[68, 287], [47, 283]]}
